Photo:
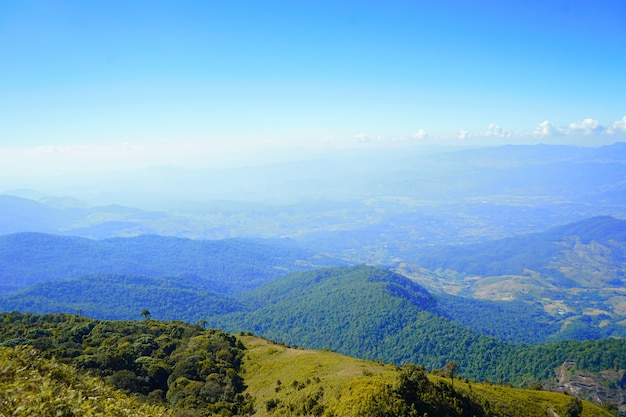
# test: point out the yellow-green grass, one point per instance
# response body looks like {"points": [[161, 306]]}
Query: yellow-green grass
{"points": [[31, 385], [303, 372], [527, 401], [351, 387]]}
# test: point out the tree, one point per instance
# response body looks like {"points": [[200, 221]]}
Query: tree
{"points": [[145, 313], [414, 384], [574, 408], [452, 367]]}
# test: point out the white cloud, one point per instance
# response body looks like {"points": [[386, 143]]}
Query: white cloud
{"points": [[361, 138], [586, 127], [463, 134], [617, 127], [495, 130], [546, 128], [420, 134]]}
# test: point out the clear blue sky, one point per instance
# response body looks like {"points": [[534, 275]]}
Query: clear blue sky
{"points": [[310, 73]]}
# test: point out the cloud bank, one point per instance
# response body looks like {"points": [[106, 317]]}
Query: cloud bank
{"points": [[55, 160]]}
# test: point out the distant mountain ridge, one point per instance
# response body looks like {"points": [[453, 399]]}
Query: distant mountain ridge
{"points": [[565, 283], [531, 251], [223, 265], [574, 272]]}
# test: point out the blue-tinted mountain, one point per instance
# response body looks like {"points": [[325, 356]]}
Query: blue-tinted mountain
{"points": [[225, 266], [123, 297], [532, 251]]}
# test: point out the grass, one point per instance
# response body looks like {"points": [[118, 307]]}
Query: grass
{"points": [[321, 377], [287, 381]]}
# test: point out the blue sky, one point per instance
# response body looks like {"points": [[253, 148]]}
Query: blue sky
{"points": [[183, 78]]}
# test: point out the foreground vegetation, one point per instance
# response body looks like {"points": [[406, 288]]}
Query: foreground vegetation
{"points": [[190, 370], [62, 365], [31, 385], [296, 382]]}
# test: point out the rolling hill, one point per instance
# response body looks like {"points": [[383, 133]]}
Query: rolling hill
{"points": [[359, 311]]}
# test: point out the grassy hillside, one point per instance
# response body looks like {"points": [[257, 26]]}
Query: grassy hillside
{"points": [[285, 381]]}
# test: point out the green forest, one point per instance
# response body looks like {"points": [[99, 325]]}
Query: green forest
{"points": [[174, 365]]}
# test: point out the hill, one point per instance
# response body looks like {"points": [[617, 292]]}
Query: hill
{"points": [[122, 297], [287, 381], [564, 283], [376, 314], [183, 370], [536, 252], [229, 265]]}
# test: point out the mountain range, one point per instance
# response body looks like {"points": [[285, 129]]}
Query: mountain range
{"points": [[529, 280], [225, 266], [507, 261]]}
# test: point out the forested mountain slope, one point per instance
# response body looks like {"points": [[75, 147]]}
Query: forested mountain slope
{"points": [[121, 297], [375, 314], [361, 311]]}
